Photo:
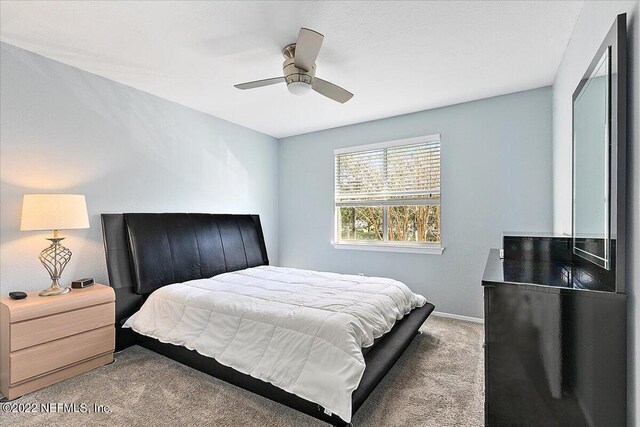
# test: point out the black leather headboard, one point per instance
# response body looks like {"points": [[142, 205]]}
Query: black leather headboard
{"points": [[175, 247], [146, 251]]}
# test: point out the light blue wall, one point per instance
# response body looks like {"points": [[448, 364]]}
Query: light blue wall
{"points": [[66, 130], [496, 176], [595, 20]]}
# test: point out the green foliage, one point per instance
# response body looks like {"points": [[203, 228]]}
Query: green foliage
{"points": [[361, 223], [406, 223]]}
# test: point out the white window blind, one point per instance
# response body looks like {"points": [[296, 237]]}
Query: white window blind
{"points": [[393, 173]]}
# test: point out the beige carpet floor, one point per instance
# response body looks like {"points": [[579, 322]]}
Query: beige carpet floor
{"points": [[437, 382]]}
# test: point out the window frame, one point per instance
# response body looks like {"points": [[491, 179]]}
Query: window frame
{"points": [[385, 245]]}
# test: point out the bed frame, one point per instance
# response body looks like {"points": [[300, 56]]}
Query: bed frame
{"points": [[147, 251]]}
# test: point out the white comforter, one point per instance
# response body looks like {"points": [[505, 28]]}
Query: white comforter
{"points": [[300, 330]]}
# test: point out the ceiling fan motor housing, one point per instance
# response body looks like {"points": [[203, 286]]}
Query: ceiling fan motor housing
{"points": [[298, 80]]}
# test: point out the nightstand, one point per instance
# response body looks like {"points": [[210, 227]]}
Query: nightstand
{"points": [[44, 340]]}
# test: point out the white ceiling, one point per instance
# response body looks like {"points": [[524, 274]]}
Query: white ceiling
{"points": [[396, 57]]}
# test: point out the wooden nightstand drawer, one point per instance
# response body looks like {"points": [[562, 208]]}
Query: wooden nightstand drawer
{"points": [[34, 361], [44, 329]]}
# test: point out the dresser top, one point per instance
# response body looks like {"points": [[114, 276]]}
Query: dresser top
{"points": [[35, 306], [544, 276]]}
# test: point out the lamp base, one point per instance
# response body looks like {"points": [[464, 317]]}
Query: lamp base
{"points": [[55, 259], [54, 290]]}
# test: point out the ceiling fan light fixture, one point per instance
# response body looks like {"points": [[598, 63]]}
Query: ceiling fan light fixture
{"points": [[299, 88], [299, 69]]}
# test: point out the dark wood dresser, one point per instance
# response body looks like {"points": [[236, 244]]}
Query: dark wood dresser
{"points": [[555, 339]]}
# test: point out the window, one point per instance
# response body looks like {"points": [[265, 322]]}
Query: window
{"points": [[387, 195]]}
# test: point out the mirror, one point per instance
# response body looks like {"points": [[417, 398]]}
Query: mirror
{"points": [[599, 159], [591, 166]]}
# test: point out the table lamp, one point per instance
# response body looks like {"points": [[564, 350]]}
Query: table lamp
{"points": [[54, 212]]}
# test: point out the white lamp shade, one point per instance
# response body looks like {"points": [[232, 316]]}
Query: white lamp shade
{"points": [[53, 212]]}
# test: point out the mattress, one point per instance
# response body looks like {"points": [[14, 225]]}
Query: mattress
{"points": [[303, 331]]}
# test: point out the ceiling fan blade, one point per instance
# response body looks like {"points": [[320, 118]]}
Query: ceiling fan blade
{"points": [[260, 83], [307, 48], [330, 90]]}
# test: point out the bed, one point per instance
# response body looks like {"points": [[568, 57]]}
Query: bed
{"points": [[159, 263]]}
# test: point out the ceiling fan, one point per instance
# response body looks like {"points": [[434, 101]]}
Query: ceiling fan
{"points": [[300, 69]]}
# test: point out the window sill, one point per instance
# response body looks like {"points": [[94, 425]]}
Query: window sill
{"points": [[431, 250]]}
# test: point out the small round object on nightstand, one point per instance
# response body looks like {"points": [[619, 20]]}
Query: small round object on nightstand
{"points": [[17, 295]]}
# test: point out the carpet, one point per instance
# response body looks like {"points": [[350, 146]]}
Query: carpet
{"points": [[437, 382]]}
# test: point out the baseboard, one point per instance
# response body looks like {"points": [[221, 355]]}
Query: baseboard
{"points": [[458, 317]]}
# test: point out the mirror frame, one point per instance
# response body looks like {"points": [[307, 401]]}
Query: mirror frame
{"points": [[615, 43]]}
